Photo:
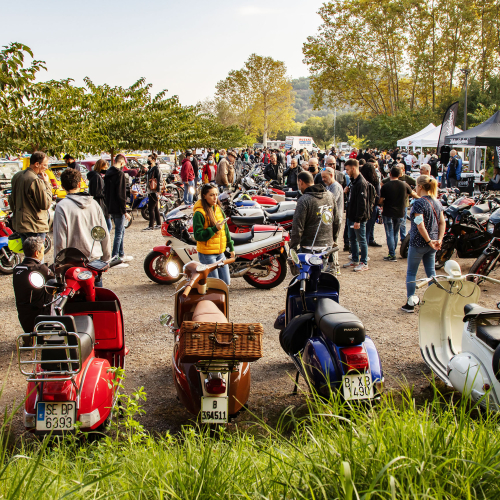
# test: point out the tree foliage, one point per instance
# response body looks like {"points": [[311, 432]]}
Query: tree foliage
{"points": [[258, 97]]}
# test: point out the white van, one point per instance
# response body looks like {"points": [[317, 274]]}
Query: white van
{"points": [[300, 142]]}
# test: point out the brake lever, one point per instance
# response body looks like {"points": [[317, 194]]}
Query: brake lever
{"points": [[177, 291]]}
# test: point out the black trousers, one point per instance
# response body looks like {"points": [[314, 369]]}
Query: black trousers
{"points": [[154, 212]]}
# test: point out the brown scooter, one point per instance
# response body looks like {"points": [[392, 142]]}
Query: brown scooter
{"points": [[217, 388]]}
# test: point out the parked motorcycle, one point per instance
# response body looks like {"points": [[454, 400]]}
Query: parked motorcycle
{"points": [[209, 373], [326, 342], [71, 358], [461, 348], [260, 257], [8, 258]]}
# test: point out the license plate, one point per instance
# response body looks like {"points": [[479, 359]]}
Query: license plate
{"points": [[214, 410], [55, 416], [357, 386]]}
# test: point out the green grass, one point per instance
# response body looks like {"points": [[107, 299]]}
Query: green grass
{"points": [[439, 450]]}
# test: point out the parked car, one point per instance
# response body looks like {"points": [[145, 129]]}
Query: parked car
{"points": [[7, 170]]}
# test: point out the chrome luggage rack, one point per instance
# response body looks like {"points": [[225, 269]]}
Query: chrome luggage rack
{"points": [[217, 365], [61, 332]]}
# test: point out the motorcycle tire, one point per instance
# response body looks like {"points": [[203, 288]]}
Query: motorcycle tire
{"points": [[155, 267], [276, 276], [47, 244], [6, 266], [483, 265], [445, 253], [405, 244], [145, 212]]}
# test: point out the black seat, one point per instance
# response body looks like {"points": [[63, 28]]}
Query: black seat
{"points": [[489, 334], [291, 194], [340, 325], [239, 220], [281, 216], [242, 238], [272, 210], [473, 311], [83, 326]]}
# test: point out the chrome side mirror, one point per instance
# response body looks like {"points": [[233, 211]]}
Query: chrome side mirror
{"points": [[167, 320], [36, 279], [98, 233], [294, 257]]}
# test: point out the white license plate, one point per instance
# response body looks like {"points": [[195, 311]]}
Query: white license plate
{"points": [[357, 386], [55, 416], [214, 410]]}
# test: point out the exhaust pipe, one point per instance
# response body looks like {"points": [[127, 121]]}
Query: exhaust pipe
{"points": [[245, 270]]}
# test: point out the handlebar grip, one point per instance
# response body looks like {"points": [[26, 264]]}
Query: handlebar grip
{"points": [[115, 262], [229, 261], [186, 291], [421, 284]]}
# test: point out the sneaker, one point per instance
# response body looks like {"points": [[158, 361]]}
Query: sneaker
{"points": [[350, 258], [347, 249], [351, 263], [158, 226], [337, 273], [122, 265], [408, 309], [374, 244], [149, 228], [127, 258], [361, 267], [391, 258]]}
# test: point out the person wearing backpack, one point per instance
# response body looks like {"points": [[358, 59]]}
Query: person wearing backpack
{"points": [[359, 209], [153, 189]]}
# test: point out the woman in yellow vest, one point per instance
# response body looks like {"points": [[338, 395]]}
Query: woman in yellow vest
{"points": [[211, 231]]}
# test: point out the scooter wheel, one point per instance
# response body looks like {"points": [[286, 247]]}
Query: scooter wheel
{"points": [[6, 266], [47, 244], [156, 267], [483, 265], [145, 212], [276, 275]]}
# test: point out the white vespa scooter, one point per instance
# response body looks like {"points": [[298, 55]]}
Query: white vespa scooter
{"points": [[460, 340]]}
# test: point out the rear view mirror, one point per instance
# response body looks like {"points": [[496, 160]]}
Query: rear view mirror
{"points": [[36, 279], [294, 257], [166, 320], [98, 233]]}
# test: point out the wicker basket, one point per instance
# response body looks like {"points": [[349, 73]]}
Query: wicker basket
{"points": [[228, 341]]}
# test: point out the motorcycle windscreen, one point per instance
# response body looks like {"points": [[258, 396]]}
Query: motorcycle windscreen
{"points": [[440, 323]]}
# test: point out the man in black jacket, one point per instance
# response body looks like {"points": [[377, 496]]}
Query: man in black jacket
{"points": [[291, 174], [30, 300], [273, 170], [358, 212], [116, 201]]}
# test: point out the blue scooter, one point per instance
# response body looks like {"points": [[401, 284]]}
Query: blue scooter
{"points": [[326, 342]]}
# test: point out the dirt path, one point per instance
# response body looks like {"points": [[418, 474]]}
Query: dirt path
{"points": [[375, 296]]}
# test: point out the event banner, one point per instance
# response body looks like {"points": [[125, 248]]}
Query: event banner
{"points": [[448, 125]]}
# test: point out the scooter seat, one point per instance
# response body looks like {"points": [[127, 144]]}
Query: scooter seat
{"points": [[338, 324], [207, 312], [83, 326], [272, 210], [240, 220], [281, 216], [242, 238], [480, 209], [292, 194], [473, 311], [489, 334]]}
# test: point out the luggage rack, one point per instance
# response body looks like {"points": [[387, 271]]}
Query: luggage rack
{"points": [[217, 365], [64, 375]]}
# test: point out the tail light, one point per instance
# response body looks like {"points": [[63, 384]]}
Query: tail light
{"points": [[54, 183], [287, 237], [215, 385], [354, 358]]}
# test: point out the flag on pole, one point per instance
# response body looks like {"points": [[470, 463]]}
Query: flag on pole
{"points": [[448, 125]]}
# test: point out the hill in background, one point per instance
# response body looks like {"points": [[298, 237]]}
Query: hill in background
{"points": [[303, 107]]}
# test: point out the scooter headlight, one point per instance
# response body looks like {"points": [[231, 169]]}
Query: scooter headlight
{"points": [[315, 261], [85, 275]]}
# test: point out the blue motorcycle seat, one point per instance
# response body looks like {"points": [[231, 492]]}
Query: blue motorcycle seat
{"points": [[338, 324]]}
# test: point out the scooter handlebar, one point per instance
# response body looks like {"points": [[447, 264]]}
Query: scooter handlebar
{"points": [[115, 262], [422, 284]]}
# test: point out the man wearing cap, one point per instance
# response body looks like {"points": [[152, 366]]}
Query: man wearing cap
{"points": [[225, 171]]}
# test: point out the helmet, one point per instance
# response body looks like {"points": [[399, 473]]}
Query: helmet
{"points": [[15, 243]]}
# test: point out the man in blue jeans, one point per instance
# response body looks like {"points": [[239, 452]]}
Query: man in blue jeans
{"points": [[116, 202], [393, 195], [358, 212]]}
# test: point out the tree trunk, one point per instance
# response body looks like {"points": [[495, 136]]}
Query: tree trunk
{"points": [[112, 155]]}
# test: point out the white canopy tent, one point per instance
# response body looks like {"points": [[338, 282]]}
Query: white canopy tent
{"points": [[405, 142], [429, 139]]}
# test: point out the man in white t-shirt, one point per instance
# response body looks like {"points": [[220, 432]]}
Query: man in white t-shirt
{"points": [[409, 161]]}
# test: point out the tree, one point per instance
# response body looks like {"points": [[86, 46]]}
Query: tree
{"points": [[260, 96], [358, 142], [320, 129]]}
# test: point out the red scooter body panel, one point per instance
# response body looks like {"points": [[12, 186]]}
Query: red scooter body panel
{"points": [[277, 191], [164, 249]]}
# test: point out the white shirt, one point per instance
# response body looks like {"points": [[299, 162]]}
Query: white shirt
{"points": [[409, 159]]}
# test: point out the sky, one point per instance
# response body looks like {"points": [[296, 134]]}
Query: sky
{"points": [[185, 47]]}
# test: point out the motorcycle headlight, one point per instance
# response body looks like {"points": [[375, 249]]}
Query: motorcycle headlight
{"points": [[490, 227]]}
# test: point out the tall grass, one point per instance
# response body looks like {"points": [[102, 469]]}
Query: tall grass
{"points": [[392, 450]]}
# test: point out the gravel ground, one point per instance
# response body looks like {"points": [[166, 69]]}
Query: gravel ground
{"points": [[375, 296]]}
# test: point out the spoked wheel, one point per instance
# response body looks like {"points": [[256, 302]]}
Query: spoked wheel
{"points": [[162, 269], [484, 265], [270, 276], [7, 264]]}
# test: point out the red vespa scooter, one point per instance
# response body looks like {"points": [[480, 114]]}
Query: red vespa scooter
{"points": [[72, 356]]}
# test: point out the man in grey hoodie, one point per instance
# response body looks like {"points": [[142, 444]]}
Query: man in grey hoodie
{"points": [[314, 201], [74, 218]]}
